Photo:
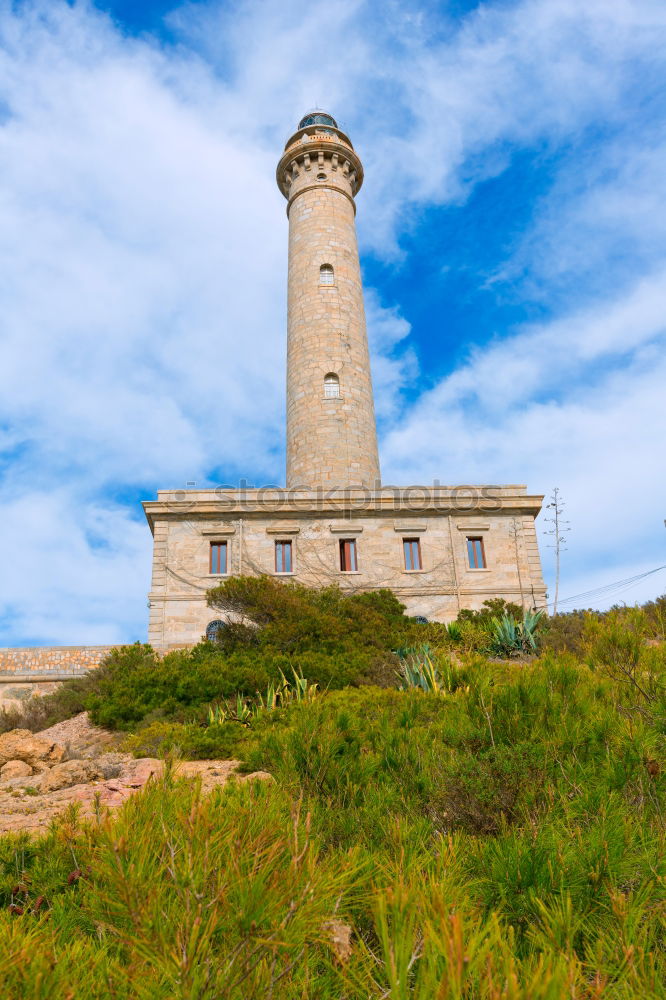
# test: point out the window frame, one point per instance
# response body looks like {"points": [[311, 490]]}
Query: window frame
{"points": [[412, 545], [332, 380], [472, 553], [223, 544], [279, 547], [353, 551], [326, 275], [218, 624]]}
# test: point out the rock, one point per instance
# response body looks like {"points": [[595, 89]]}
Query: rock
{"points": [[257, 776], [139, 771], [15, 769], [70, 772], [105, 784], [40, 766], [109, 766], [339, 936], [21, 744], [81, 737]]}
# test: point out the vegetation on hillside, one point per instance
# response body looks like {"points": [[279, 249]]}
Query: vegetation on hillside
{"points": [[496, 834]]}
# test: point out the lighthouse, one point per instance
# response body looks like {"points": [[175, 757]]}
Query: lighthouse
{"points": [[331, 432], [438, 548]]}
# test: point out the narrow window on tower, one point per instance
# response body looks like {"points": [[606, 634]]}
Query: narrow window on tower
{"points": [[412, 550], [331, 386], [476, 553], [348, 561], [326, 274], [283, 561], [218, 558]]}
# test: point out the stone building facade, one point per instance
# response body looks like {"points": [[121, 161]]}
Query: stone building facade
{"points": [[438, 548]]}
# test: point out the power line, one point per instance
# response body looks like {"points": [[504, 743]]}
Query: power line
{"points": [[610, 588]]}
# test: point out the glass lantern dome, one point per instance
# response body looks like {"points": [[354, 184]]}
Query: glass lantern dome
{"points": [[317, 118]]}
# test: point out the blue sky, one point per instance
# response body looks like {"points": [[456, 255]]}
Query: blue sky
{"points": [[513, 241]]}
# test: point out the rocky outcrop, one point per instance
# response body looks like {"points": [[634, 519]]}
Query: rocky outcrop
{"points": [[21, 744], [15, 769], [43, 777], [70, 772]]}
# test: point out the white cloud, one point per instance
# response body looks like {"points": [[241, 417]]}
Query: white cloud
{"points": [[77, 570], [394, 365], [577, 403]]}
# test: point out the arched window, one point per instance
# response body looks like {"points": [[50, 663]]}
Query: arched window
{"points": [[331, 386], [214, 628], [326, 274]]}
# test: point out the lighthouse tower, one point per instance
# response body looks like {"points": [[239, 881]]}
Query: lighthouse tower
{"points": [[438, 548], [331, 434]]}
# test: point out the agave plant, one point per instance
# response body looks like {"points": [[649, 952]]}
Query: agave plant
{"points": [[300, 689], [454, 631], [241, 712], [418, 670], [276, 696], [269, 701], [530, 624], [510, 638]]}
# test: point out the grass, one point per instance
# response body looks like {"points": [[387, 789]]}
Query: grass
{"points": [[498, 836]]}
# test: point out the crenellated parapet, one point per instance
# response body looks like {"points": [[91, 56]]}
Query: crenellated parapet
{"points": [[319, 155]]}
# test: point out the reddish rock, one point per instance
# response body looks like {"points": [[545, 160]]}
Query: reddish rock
{"points": [[139, 771], [85, 783]]}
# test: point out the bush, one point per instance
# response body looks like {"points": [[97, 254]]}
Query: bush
{"points": [[506, 839], [186, 740], [330, 638], [494, 607], [290, 618], [565, 633]]}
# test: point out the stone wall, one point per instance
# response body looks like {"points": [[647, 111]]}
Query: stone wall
{"points": [[331, 440], [443, 585], [30, 670]]}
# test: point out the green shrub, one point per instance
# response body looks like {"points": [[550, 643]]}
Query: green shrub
{"points": [[506, 840], [187, 740], [330, 639], [292, 617], [494, 607]]}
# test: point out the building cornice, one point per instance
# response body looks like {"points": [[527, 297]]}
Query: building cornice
{"points": [[413, 501]]}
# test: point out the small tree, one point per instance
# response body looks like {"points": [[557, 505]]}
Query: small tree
{"points": [[560, 526]]}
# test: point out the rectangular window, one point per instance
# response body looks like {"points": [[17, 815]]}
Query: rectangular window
{"points": [[283, 557], [218, 558], [412, 550], [348, 561], [475, 553]]}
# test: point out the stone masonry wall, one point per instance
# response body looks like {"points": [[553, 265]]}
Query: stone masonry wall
{"points": [[444, 584], [29, 670], [330, 441]]}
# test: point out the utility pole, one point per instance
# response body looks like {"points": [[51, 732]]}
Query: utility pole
{"points": [[515, 532], [560, 526]]}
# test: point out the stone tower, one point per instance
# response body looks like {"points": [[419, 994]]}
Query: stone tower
{"points": [[331, 433], [438, 548]]}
